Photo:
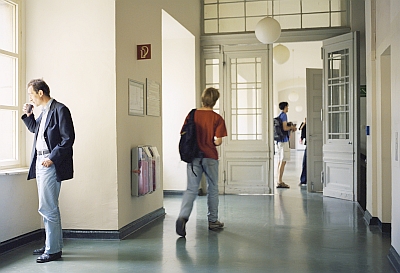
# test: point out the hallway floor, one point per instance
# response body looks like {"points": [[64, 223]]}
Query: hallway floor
{"points": [[290, 231]]}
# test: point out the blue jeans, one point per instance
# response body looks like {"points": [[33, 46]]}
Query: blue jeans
{"points": [[211, 172], [48, 191], [303, 176]]}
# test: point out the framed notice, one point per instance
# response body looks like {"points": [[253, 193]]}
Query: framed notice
{"points": [[136, 98], [153, 98]]}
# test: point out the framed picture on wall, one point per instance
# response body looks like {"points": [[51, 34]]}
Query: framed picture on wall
{"points": [[136, 98]]}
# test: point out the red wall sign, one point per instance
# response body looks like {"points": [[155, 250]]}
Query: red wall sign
{"points": [[144, 52]]}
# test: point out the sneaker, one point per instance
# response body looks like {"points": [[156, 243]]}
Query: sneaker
{"points": [[283, 185], [181, 226], [215, 225]]}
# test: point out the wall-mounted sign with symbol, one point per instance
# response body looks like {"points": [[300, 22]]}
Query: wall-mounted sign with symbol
{"points": [[144, 52]]}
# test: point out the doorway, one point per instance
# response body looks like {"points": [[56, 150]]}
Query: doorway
{"points": [[290, 85], [178, 84], [385, 151]]}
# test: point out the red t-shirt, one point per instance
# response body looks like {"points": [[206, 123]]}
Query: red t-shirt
{"points": [[208, 125]]}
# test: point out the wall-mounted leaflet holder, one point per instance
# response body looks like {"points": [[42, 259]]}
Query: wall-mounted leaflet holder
{"points": [[145, 170]]}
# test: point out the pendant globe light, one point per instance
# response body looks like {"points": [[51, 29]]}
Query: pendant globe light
{"points": [[268, 30], [281, 54]]}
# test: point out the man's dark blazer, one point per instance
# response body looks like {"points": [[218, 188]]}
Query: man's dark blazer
{"points": [[59, 135]]}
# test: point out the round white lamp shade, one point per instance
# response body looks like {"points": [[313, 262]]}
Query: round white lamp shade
{"points": [[268, 30], [281, 54]]}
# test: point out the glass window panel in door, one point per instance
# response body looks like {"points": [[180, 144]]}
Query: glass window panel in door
{"points": [[339, 19], [245, 99]]}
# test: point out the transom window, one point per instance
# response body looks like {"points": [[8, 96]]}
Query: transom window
{"points": [[232, 16]]}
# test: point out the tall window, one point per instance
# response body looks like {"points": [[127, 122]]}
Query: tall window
{"points": [[9, 79], [232, 16]]}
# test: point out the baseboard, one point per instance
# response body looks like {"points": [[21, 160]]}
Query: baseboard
{"points": [[394, 258], [114, 234], [21, 240], [385, 227], [370, 220], [173, 192], [85, 234]]}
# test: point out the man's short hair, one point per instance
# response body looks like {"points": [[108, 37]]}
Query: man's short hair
{"points": [[40, 84], [283, 104], [209, 97]]}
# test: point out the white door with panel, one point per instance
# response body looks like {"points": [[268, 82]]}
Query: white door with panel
{"points": [[314, 129], [341, 132], [246, 157]]}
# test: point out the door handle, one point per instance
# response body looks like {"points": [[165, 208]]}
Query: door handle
{"points": [[350, 142]]}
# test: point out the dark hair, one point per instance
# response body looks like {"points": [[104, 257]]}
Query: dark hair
{"points": [[283, 104], [210, 97], [40, 84]]}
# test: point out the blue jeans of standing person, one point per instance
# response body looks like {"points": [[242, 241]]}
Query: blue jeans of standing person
{"points": [[303, 176], [49, 191], [210, 167]]}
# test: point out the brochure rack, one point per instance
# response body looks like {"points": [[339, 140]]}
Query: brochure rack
{"points": [[145, 170]]}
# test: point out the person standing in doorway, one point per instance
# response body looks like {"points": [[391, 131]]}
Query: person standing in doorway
{"points": [[210, 129], [303, 176], [283, 145], [51, 161]]}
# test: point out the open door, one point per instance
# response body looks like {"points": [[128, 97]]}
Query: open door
{"points": [[314, 129], [340, 101]]}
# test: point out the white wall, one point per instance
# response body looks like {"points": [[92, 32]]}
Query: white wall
{"points": [[86, 51], [387, 36], [179, 96], [138, 22], [71, 44]]}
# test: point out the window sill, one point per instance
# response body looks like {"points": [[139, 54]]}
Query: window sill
{"points": [[15, 171]]}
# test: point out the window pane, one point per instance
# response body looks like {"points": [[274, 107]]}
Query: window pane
{"points": [[7, 81], [210, 1], [286, 7], [7, 26], [339, 5], [212, 71], [339, 19], [314, 6], [231, 10], [211, 26], [231, 25], [259, 8], [315, 20], [210, 11], [289, 21], [8, 135]]}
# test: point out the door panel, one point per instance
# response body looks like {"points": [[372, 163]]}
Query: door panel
{"points": [[314, 129], [245, 152], [340, 95]]}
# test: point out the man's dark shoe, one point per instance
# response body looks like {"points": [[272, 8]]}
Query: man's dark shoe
{"points": [[39, 251], [44, 258], [181, 226]]}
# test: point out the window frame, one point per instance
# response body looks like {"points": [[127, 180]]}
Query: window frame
{"points": [[20, 96]]}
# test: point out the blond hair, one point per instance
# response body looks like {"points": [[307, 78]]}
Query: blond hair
{"points": [[209, 97]]}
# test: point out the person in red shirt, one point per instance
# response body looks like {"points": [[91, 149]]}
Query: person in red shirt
{"points": [[210, 129]]}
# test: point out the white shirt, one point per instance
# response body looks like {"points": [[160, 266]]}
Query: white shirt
{"points": [[40, 142]]}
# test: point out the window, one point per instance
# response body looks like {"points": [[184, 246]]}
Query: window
{"points": [[232, 16], [9, 85]]}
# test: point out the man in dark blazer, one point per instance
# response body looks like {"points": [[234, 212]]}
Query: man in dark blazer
{"points": [[51, 161]]}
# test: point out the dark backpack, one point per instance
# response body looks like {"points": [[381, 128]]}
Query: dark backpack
{"points": [[279, 133], [188, 148]]}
